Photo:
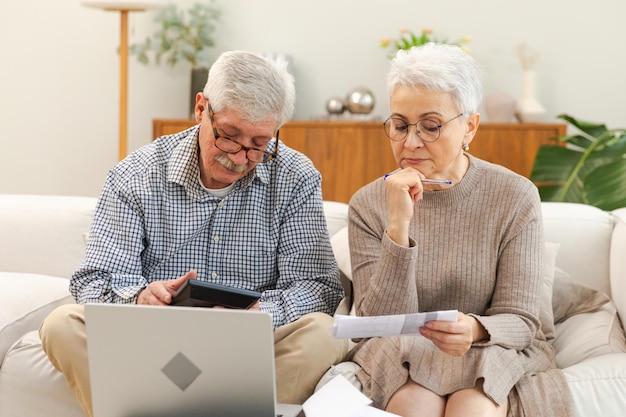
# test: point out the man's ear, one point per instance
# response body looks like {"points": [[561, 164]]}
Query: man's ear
{"points": [[472, 126], [200, 106]]}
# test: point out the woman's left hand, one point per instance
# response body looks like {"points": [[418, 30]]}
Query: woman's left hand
{"points": [[455, 338]]}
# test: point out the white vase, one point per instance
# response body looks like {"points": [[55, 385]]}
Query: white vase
{"points": [[529, 110]]}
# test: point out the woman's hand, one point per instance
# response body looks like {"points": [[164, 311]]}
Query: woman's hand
{"points": [[403, 190], [161, 292], [455, 338]]}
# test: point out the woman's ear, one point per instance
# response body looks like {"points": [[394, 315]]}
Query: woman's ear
{"points": [[472, 126]]}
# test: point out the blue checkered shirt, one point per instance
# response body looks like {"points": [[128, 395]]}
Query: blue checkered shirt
{"points": [[154, 221]]}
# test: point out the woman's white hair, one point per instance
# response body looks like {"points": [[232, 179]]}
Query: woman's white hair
{"points": [[441, 68], [255, 87]]}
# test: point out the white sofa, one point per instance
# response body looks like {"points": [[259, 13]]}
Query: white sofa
{"points": [[42, 241]]}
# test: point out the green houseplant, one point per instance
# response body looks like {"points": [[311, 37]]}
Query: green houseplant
{"points": [[182, 36], [590, 168], [409, 39]]}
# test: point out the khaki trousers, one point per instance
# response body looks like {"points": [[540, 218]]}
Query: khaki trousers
{"points": [[304, 351]]}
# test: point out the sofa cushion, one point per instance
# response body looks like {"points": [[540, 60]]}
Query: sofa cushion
{"points": [[26, 299], [341, 249], [586, 335], [570, 298], [346, 369], [598, 385], [546, 315], [30, 386]]}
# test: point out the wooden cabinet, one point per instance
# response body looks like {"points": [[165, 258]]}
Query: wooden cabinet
{"points": [[352, 154], [162, 127]]}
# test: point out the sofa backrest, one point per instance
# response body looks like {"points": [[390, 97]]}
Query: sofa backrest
{"points": [[43, 234], [584, 233], [46, 234], [336, 214]]}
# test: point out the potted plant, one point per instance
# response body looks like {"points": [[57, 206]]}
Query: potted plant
{"points": [[589, 167], [183, 36], [409, 39]]}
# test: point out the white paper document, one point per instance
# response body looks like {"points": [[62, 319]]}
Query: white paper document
{"points": [[350, 327], [339, 398]]}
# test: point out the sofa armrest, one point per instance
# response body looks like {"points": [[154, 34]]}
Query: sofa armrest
{"points": [[618, 263], [25, 300]]}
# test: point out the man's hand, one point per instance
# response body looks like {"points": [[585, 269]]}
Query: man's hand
{"points": [[455, 338], [160, 293]]}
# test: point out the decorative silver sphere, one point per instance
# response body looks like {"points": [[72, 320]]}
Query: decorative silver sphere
{"points": [[335, 105], [360, 101]]}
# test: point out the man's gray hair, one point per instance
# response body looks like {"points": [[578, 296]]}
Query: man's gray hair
{"points": [[255, 87]]}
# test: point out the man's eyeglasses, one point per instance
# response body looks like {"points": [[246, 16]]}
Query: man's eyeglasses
{"points": [[428, 130], [224, 144]]}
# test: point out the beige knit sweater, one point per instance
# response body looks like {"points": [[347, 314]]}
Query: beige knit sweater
{"points": [[476, 247]]}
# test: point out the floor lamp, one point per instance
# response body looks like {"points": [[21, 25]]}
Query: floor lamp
{"points": [[124, 7]]}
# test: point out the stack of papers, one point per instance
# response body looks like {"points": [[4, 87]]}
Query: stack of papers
{"points": [[351, 327], [339, 398]]}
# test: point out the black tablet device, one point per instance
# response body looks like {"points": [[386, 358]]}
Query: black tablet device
{"points": [[194, 293]]}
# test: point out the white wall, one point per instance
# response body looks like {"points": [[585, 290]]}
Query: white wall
{"points": [[59, 69]]}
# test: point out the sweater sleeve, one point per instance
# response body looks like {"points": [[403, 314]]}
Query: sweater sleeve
{"points": [[383, 272], [512, 318]]}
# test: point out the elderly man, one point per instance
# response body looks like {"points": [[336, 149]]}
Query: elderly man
{"points": [[224, 201]]}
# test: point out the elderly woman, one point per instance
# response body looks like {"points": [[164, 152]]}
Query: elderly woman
{"points": [[450, 231]]}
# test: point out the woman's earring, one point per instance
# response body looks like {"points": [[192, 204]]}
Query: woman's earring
{"points": [[465, 147]]}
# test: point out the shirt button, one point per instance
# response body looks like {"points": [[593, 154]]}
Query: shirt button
{"points": [[214, 275], [216, 239], [221, 204]]}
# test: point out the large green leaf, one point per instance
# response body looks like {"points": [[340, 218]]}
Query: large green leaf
{"points": [[605, 187], [578, 141], [553, 164], [590, 128], [591, 169]]}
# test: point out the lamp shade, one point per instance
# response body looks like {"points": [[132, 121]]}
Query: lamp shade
{"points": [[125, 4]]}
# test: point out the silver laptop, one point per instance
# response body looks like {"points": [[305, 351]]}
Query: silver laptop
{"points": [[181, 361]]}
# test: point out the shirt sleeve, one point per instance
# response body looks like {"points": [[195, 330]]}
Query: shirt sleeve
{"points": [[111, 271], [308, 276]]}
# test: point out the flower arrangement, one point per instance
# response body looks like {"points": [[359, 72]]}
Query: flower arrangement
{"points": [[409, 39], [182, 36]]}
